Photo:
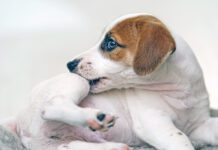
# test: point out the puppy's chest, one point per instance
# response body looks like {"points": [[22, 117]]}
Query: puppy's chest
{"points": [[140, 101]]}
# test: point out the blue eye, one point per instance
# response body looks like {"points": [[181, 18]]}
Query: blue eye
{"points": [[108, 44]]}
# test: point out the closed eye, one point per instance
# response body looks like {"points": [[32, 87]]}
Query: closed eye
{"points": [[109, 44]]}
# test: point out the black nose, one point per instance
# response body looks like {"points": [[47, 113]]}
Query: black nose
{"points": [[73, 64]]}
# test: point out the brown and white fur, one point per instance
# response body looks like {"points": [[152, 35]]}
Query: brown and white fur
{"points": [[159, 100]]}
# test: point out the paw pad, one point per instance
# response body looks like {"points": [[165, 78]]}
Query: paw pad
{"points": [[102, 122]]}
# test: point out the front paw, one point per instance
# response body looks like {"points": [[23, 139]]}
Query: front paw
{"points": [[102, 122]]}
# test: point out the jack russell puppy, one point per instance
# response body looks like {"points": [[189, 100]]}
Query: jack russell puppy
{"points": [[149, 91]]}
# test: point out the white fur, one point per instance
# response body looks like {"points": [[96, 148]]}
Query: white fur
{"points": [[168, 108]]}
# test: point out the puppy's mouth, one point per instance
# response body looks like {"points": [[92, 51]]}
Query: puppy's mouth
{"points": [[93, 82]]}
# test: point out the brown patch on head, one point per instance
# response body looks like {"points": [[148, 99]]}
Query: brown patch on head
{"points": [[147, 42]]}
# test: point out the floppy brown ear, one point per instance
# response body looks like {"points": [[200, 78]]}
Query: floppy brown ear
{"points": [[154, 45]]}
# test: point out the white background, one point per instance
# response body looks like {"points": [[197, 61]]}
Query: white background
{"points": [[38, 37]]}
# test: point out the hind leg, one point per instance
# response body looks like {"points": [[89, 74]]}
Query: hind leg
{"points": [[80, 145], [206, 134]]}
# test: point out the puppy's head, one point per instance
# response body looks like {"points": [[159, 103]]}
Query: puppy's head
{"points": [[130, 49]]}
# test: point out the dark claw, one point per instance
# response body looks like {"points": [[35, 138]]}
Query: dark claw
{"points": [[110, 126], [111, 121], [92, 129], [101, 117]]}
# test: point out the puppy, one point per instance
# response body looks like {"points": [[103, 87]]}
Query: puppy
{"points": [[159, 97], [138, 51]]}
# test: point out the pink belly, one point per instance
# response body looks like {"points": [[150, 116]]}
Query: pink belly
{"points": [[121, 132]]}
